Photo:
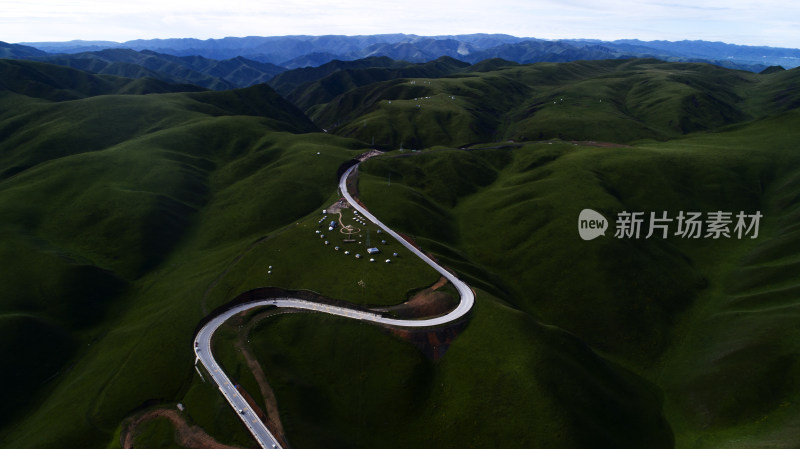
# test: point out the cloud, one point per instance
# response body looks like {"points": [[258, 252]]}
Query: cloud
{"points": [[769, 22]]}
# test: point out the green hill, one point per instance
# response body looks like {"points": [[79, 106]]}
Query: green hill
{"points": [[286, 82], [213, 74], [708, 321], [99, 195], [133, 208], [345, 384], [488, 65], [324, 90], [34, 131], [618, 101], [54, 83], [134, 64], [15, 51]]}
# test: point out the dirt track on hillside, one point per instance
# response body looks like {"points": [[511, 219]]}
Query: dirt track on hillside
{"points": [[270, 402]]}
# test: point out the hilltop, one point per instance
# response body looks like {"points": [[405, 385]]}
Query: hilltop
{"points": [[619, 101]]}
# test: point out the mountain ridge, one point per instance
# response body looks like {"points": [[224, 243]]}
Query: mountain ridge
{"points": [[237, 72], [281, 49]]}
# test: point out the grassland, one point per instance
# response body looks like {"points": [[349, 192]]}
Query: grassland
{"points": [[301, 260], [347, 384], [707, 321], [120, 213], [131, 209], [618, 101], [157, 433], [322, 89]]}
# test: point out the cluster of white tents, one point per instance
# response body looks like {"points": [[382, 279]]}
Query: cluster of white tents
{"points": [[362, 221]]}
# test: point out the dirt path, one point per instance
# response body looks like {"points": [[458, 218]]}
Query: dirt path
{"points": [[191, 437], [363, 157], [270, 402], [592, 143], [427, 302], [439, 284]]}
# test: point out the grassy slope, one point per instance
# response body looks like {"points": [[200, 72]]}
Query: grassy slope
{"points": [[619, 101], [151, 67], [208, 73], [50, 82], [289, 80], [157, 434], [323, 90], [120, 214], [731, 377], [302, 261], [138, 342], [347, 384], [708, 321], [141, 236]]}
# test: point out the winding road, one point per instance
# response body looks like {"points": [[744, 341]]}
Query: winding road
{"points": [[202, 341]]}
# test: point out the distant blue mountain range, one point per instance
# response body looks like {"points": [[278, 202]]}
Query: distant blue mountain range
{"points": [[292, 52]]}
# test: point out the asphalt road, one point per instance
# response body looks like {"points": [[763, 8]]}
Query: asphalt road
{"points": [[467, 297], [202, 341]]}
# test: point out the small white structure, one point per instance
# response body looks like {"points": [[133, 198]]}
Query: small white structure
{"points": [[322, 236], [346, 253], [326, 242], [336, 248], [371, 259], [373, 250], [358, 256], [317, 231], [388, 260], [395, 254]]}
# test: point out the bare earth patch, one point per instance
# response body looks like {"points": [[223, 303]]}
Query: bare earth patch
{"points": [[428, 302], [363, 157]]}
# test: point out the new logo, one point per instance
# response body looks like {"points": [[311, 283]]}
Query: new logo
{"points": [[591, 224]]}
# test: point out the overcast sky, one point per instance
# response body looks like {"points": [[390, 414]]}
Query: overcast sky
{"points": [[769, 22]]}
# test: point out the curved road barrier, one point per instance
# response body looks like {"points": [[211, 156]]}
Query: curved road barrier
{"points": [[202, 341]]}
